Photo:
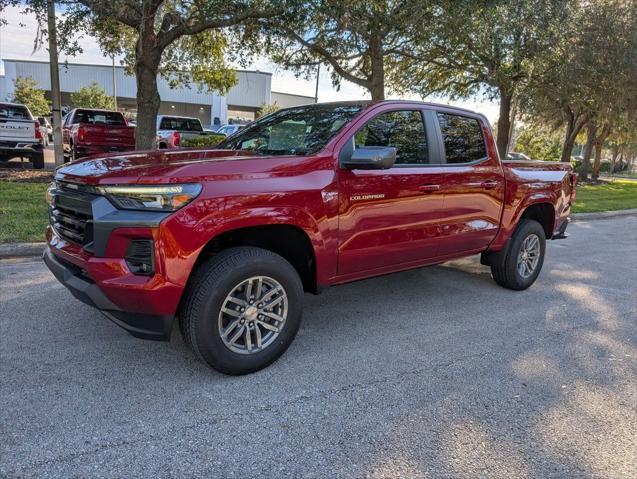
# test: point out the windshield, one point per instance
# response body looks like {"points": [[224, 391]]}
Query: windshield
{"points": [[300, 130]]}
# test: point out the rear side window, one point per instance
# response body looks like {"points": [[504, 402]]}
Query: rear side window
{"points": [[181, 124], [404, 130], [462, 137], [99, 118], [16, 112]]}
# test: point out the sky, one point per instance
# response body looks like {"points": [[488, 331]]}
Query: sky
{"points": [[16, 42]]}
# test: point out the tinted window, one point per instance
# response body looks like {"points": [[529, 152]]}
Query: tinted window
{"points": [[404, 130], [94, 117], [294, 131], [462, 137], [181, 124], [17, 112]]}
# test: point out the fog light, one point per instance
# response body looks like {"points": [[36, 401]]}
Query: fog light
{"points": [[140, 257]]}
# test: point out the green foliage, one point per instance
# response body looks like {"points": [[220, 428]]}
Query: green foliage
{"points": [[539, 143], [365, 42], [92, 96], [267, 109], [23, 211], [27, 92], [202, 140], [608, 196]]}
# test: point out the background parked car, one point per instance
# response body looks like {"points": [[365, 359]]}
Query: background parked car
{"points": [[171, 130], [230, 129], [20, 135], [48, 128], [88, 132]]}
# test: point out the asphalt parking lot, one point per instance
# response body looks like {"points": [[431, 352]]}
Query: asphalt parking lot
{"points": [[434, 372]]}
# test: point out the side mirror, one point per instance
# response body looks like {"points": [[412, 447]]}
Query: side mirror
{"points": [[371, 158]]}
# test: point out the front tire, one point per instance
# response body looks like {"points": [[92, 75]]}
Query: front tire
{"points": [[242, 309], [523, 262]]}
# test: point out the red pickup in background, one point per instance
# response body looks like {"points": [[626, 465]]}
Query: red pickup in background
{"points": [[89, 132]]}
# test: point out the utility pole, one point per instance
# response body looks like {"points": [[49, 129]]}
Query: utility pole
{"points": [[114, 84], [318, 74], [55, 85]]}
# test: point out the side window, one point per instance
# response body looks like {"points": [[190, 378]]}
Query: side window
{"points": [[462, 137], [404, 130]]}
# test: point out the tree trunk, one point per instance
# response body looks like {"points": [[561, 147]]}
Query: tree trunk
{"points": [[148, 102], [377, 80], [598, 160], [573, 127], [599, 145], [148, 57], [588, 149], [504, 123]]}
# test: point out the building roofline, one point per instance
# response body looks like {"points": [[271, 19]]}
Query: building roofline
{"points": [[293, 94], [104, 65]]}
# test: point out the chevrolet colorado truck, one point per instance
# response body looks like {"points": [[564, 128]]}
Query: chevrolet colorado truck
{"points": [[87, 132], [227, 240]]}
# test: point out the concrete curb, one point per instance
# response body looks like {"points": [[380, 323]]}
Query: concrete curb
{"points": [[19, 250], [602, 215]]}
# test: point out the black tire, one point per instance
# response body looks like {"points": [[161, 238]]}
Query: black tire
{"points": [[506, 273], [38, 160], [207, 290]]}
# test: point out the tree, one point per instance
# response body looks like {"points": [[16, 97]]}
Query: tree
{"points": [[538, 142], [490, 48], [181, 40], [267, 109], [92, 96], [26, 91], [361, 41], [590, 86]]}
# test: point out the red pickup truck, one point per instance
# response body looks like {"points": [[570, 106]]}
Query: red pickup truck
{"points": [[91, 132], [228, 239]]}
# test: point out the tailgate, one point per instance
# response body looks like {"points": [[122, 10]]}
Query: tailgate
{"points": [[110, 136], [13, 130]]}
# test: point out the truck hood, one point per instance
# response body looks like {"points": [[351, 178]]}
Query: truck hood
{"points": [[166, 166]]}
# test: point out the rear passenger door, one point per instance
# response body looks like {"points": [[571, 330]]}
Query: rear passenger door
{"points": [[473, 184]]}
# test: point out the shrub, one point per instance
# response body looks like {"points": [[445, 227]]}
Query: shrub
{"points": [[202, 140]]}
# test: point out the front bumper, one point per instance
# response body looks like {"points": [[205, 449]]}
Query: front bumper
{"points": [[82, 287]]}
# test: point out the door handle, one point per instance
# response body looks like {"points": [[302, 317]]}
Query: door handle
{"points": [[428, 188], [490, 184]]}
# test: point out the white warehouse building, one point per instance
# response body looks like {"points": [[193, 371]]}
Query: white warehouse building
{"points": [[252, 91]]}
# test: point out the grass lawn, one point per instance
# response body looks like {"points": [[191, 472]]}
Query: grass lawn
{"points": [[23, 211], [616, 195]]}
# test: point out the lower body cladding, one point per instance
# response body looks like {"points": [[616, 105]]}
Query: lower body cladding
{"points": [[107, 259]]}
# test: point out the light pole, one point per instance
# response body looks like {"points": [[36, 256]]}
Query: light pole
{"points": [[114, 84], [318, 74], [55, 85]]}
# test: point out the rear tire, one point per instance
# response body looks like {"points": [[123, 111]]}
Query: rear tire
{"points": [[38, 160], [212, 315], [522, 264]]}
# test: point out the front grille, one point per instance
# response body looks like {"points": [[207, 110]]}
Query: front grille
{"points": [[71, 215]]}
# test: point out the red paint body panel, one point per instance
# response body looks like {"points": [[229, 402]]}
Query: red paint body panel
{"points": [[360, 223]]}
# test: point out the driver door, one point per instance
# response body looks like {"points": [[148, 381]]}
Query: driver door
{"points": [[392, 217]]}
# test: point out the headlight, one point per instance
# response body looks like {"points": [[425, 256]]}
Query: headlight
{"points": [[151, 197]]}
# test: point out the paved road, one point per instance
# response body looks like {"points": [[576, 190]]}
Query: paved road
{"points": [[428, 373]]}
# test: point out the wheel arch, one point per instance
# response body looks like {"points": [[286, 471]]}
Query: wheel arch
{"points": [[287, 240], [544, 213]]}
